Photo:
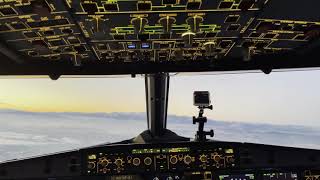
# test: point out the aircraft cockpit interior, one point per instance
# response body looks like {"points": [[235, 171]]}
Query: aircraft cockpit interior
{"points": [[154, 38]]}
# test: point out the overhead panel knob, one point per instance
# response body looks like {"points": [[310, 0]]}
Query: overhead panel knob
{"points": [[139, 24], [167, 23], [194, 23], [210, 48], [188, 38]]}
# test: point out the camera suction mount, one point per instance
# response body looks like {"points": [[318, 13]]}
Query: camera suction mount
{"points": [[202, 100]]}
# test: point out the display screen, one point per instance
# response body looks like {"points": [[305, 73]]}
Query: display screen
{"points": [[145, 151], [157, 150], [280, 176], [237, 177], [175, 150]]}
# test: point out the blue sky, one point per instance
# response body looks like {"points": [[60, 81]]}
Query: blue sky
{"points": [[278, 98]]}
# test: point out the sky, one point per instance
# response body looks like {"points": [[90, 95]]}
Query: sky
{"points": [[277, 98]]}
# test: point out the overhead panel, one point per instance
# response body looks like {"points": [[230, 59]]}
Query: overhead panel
{"points": [[118, 31]]}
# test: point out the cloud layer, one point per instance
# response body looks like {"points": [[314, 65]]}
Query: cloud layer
{"points": [[24, 134]]}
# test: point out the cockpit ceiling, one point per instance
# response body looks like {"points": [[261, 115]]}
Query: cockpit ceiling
{"points": [[144, 36]]}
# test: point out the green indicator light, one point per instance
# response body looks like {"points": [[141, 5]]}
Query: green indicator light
{"points": [[145, 151], [175, 150]]}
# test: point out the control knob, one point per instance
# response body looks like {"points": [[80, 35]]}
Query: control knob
{"points": [[188, 38], [136, 161], [167, 23], [173, 159], [147, 161], [194, 23], [119, 162], [104, 162], [203, 158], [139, 23], [187, 159]]}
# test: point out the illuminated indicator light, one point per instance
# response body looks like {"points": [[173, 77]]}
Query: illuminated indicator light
{"points": [[111, 7], [92, 157], [8, 11], [225, 4], [145, 151], [175, 150], [145, 46], [131, 46], [228, 151], [144, 6]]}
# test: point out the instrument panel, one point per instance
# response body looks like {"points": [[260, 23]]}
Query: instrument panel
{"points": [[160, 159], [114, 31], [212, 160]]}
